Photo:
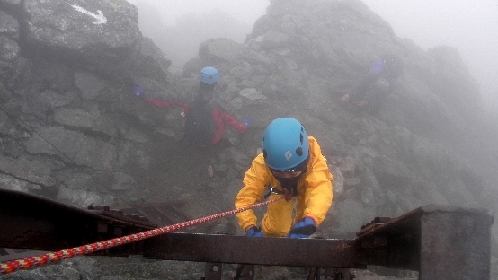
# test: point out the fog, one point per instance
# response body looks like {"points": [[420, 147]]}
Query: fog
{"points": [[470, 26], [246, 11]]}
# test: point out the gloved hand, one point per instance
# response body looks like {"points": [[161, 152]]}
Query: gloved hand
{"points": [[254, 232], [302, 229], [137, 90], [345, 97], [362, 103], [247, 122]]}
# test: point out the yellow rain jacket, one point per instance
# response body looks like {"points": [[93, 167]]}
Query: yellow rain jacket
{"points": [[314, 194]]}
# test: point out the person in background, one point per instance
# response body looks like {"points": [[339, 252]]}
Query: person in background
{"points": [[373, 88], [291, 164], [206, 120]]}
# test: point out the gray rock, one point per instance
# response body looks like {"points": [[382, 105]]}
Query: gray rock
{"points": [[29, 170], [9, 26], [72, 147], [76, 117], [69, 123]]}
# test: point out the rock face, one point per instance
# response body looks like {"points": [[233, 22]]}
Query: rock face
{"points": [[71, 131]]}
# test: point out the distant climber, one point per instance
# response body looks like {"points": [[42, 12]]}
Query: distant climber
{"points": [[371, 91], [205, 120], [291, 164]]}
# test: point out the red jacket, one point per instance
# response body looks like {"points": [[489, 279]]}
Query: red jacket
{"points": [[220, 116]]}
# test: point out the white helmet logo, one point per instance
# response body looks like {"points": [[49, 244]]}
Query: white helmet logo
{"points": [[288, 155]]}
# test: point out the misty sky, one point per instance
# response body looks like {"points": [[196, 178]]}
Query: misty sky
{"points": [[469, 25], [247, 11]]}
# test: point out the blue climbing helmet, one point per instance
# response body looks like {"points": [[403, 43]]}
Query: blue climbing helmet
{"points": [[209, 75], [285, 145]]}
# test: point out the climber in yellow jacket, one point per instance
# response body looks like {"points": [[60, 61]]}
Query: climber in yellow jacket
{"points": [[291, 164]]}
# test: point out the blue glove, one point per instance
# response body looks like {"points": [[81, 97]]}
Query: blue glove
{"points": [[137, 90], [302, 229], [254, 232], [247, 122]]}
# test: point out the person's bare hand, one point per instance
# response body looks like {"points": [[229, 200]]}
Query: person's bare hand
{"points": [[345, 97]]}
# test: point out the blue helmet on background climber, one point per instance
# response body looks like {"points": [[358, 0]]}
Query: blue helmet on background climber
{"points": [[209, 75], [285, 145]]}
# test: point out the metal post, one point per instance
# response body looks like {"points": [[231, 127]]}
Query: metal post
{"points": [[213, 271], [455, 243]]}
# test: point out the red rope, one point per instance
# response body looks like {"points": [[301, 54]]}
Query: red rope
{"points": [[11, 266]]}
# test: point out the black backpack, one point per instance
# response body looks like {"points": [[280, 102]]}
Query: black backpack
{"points": [[200, 127]]}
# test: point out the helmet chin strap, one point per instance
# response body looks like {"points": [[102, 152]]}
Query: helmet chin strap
{"points": [[290, 185]]}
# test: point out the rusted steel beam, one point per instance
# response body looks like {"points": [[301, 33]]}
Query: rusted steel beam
{"points": [[153, 213], [435, 240], [441, 242], [30, 222], [12, 254], [249, 250], [161, 213], [244, 272], [455, 244], [212, 271]]}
